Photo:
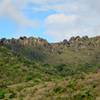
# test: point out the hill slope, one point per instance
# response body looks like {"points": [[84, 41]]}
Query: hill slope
{"points": [[75, 50], [30, 65]]}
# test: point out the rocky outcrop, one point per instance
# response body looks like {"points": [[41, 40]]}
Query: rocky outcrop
{"points": [[74, 42], [24, 41], [82, 42]]}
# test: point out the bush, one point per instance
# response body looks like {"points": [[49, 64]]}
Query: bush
{"points": [[85, 94], [2, 94], [64, 70], [72, 84], [12, 95], [29, 77], [59, 89]]}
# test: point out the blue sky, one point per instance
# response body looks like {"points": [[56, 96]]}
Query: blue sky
{"points": [[53, 20]]}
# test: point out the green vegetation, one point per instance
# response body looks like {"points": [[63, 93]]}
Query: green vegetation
{"points": [[2, 94], [43, 71]]}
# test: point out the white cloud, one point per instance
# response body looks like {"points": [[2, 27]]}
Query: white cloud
{"points": [[60, 18], [64, 6], [60, 26], [86, 20], [72, 17], [7, 8]]}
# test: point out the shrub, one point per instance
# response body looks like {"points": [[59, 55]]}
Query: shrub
{"points": [[2, 94], [29, 77], [59, 89], [72, 84], [12, 95], [85, 94]]}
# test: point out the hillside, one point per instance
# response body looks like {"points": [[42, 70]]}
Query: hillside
{"points": [[34, 69], [79, 49]]}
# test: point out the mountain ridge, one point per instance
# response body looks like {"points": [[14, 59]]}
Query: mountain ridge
{"points": [[33, 40]]}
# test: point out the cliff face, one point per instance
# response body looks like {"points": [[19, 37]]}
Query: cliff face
{"points": [[24, 41], [75, 42]]}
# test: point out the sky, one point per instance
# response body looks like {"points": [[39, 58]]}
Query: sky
{"points": [[53, 20]]}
